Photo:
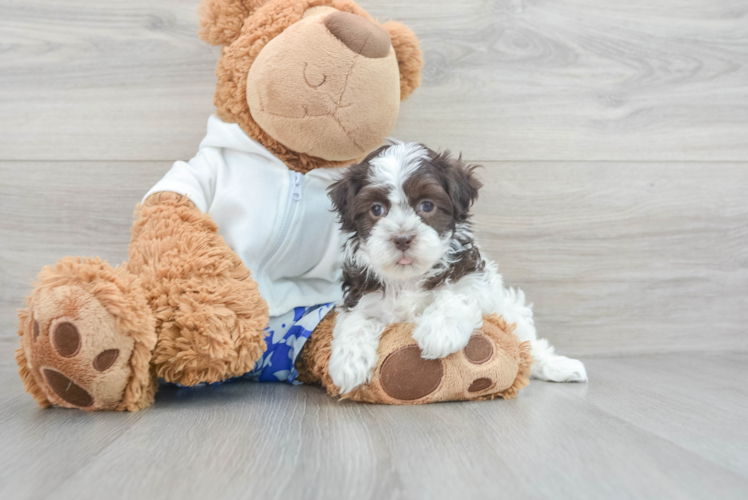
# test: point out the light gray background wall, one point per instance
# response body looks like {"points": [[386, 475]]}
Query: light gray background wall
{"points": [[614, 136]]}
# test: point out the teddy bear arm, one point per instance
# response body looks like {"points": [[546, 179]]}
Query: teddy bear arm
{"points": [[209, 313]]}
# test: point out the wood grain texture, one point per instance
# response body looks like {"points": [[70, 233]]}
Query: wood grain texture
{"points": [[693, 400], [614, 438], [582, 80], [616, 257], [57, 209], [504, 80], [639, 244], [623, 257]]}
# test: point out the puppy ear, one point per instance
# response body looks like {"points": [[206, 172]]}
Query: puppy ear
{"points": [[466, 186], [409, 56], [344, 191], [221, 21], [461, 183]]}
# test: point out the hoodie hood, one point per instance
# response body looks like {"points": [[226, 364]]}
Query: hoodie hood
{"points": [[231, 136]]}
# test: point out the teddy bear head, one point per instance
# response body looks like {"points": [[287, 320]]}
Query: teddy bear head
{"points": [[317, 82]]}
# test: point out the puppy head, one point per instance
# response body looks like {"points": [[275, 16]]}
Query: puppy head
{"points": [[402, 205]]}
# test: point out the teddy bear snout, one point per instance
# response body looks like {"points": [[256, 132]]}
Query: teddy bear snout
{"points": [[359, 34], [328, 86]]}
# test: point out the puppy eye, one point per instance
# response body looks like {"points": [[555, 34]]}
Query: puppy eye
{"points": [[427, 206], [378, 210]]}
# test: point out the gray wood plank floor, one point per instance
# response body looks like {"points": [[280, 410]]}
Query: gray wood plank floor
{"points": [[609, 253], [504, 79], [647, 426], [615, 143]]}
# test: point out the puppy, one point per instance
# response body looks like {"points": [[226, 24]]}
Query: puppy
{"points": [[410, 257]]}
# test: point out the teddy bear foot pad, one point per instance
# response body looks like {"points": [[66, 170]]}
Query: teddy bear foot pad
{"points": [[74, 344], [493, 364], [75, 352]]}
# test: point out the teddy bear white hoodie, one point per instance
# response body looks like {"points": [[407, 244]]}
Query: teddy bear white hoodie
{"points": [[278, 221]]}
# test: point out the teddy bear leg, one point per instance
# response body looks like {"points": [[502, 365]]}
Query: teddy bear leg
{"points": [[209, 313], [86, 338], [313, 361], [494, 364]]}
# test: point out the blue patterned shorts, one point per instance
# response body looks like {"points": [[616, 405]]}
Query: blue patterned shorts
{"points": [[285, 336]]}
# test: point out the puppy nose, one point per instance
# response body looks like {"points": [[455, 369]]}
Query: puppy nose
{"points": [[358, 34], [403, 242]]}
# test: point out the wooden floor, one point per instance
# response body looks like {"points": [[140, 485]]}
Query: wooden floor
{"points": [[646, 426], [614, 137]]}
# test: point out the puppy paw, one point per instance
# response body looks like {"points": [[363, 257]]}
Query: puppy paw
{"points": [[438, 338], [351, 365], [560, 369]]}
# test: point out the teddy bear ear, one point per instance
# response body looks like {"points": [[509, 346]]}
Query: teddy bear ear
{"points": [[221, 20], [409, 56]]}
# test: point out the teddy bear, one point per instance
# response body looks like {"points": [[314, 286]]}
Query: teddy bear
{"points": [[235, 257]]}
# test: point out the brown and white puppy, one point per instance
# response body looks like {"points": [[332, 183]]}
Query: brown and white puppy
{"points": [[411, 257]]}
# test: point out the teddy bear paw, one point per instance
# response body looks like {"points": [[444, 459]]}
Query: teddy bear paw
{"points": [[492, 364], [75, 351], [87, 338]]}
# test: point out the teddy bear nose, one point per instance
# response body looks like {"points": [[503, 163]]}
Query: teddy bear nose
{"points": [[358, 34]]}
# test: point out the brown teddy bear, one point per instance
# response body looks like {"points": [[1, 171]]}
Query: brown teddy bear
{"points": [[303, 86]]}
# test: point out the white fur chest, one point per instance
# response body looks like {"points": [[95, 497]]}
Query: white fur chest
{"points": [[398, 303]]}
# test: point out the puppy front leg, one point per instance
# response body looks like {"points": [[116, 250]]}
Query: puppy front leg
{"points": [[446, 325], [355, 340]]}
